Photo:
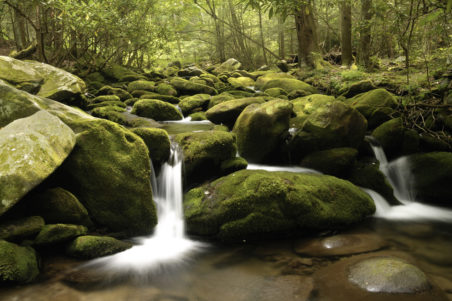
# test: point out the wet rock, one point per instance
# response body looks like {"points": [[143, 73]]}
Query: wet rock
{"points": [[58, 233], [32, 148], [166, 89], [185, 87], [241, 82], [108, 90], [118, 104], [336, 162], [268, 76], [388, 275], [356, 88], [157, 141], [198, 116], [105, 98], [228, 66], [89, 247], [194, 103], [17, 264], [21, 228], [289, 85], [156, 109], [260, 129], [112, 113], [251, 204], [340, 245], [120, 73], [141, 85]]}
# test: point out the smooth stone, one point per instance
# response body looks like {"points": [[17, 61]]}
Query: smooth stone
{"points": [[388, 275], [340, 245], [96, 246], [32, 148]]}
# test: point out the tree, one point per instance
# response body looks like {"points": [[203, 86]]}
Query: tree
{"points": [[365, 37], [346, 32]]}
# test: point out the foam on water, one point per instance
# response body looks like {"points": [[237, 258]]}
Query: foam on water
{"points": [[296, 169]]}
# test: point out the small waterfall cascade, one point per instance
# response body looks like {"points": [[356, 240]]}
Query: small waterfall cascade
{"points": [[168, 245], [399, 175]]}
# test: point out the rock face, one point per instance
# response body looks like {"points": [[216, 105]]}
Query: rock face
{"points": [[32, 148], [432, 177], [227, 112], [88, 247], [109, 171], [204, 153], [18, 264], [388, 275], [260, 128], [156, 109], [51, 82], [332, 125], [257, 204]]}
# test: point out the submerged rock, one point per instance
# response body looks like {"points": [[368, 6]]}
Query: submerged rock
{"points": [[17, 264], [89, 247], [32, 148], [388, 275], [156, 109], [260, 129], [259, 204]]}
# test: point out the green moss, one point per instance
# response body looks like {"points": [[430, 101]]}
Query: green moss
{"points": [[268, 76], [352, 75], [166, 89], [89, 247], [289, 85], [192, 104], [306, 105], [233, 165], [241, 94], [112, 113], [227, 112], [15, 104], [119, 73], [58, 233], [277, 92], [355, 88], [336, 161], [185, 87], [18, 264], [241, 82], [257, 204], [166, 98], [204, 153], [21, 228], [107, 90], [260, 129], [217, 99], [118, 104], [104, 98], [156, 109], [198, 116], [157, 141], [141, 85], [57, 205]]}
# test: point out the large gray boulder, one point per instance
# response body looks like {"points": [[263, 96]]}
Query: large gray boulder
{"points": [[32, 148]]}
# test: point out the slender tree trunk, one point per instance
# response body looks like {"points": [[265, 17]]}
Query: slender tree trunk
{"points": [[306, 33], [262, 37], [281, 38], [346, 33], [365, 39]]}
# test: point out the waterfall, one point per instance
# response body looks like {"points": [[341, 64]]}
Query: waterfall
{"points": [[168, 245], [399, 175]]}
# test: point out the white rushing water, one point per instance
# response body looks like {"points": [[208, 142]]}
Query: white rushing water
{"points": [[296, 169], [399, 175], [168, 245]]}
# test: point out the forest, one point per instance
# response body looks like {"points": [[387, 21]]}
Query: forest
{"points": [[207, 150]]}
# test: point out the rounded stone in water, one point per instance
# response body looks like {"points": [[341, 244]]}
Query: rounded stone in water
{"points": [[388, 275]]}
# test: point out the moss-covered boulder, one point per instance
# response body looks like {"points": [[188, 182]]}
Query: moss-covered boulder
{"points": [[89, 247], [228, 66], [241, 82], [17, 264], [105, 98], [268, 76], [156, 109], [57, 205], [109, 172], [233, 165], [166, 98], [257, 204], [304, 106], [198, 116], [260, 129], [120, 73], [141, 85], [157, 141], [58, 233], [277, 92], [336, 162], [289, 85], [228, 112], [185, 87], [32, 148], [395, 139], [166, 89], [18, 72], [21, 228], [350, 89], [195, 103], [432, 177], [223, 97], [108, 90], [332, 125], [112, 113], [368, 175], [376, 105], [118, 104], [204, 152]]}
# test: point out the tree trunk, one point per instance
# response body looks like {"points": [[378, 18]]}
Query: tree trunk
{"points": [[306, 33], [262, 37], [364, 42], [281, 38], [346, 33]]}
